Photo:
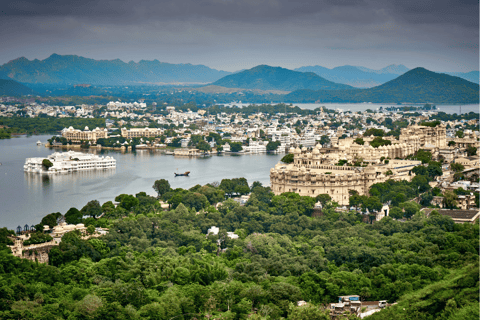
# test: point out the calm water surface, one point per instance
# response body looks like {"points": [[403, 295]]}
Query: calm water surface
{"points": [[26, 197], [356, 107]]}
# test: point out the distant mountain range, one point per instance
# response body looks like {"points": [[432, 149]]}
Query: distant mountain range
{"points": [[275, 78], [418, 85], [364, 77], [13, 88], [72, 69]]}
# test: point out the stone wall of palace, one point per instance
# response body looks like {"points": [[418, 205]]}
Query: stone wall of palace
{"points": [[35, 252]]}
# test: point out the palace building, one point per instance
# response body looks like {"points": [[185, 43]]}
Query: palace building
{"points": [[317, 171], [76, 135], [141, 132]]}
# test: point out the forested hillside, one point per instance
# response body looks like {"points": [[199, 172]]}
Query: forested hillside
{"points": [[158, 264], [275, 78]]}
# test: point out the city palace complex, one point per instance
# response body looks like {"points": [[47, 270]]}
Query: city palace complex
{"points": [[316, 171]]}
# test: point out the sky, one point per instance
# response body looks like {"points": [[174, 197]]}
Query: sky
{"points": [[440, 35]]}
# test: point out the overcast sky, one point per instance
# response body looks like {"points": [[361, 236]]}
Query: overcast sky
{"points": [[440, 35]]}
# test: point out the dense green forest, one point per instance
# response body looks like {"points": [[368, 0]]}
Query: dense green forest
{"points": [[156, 264], [42, 125]]}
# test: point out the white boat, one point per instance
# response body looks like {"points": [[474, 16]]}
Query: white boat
{"points": [[71, 161], [39, 143]]}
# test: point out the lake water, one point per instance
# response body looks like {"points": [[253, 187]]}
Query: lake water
{"points": [[25, 198], [355, 107]]}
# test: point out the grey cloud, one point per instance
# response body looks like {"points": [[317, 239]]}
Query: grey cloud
{"points": [[252, 30]]}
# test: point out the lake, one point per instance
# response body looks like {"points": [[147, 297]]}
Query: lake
{"points": [[356, 107], [25, 198]]}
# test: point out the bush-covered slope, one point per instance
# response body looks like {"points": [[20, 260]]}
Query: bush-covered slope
{"points": [[455, 297]]}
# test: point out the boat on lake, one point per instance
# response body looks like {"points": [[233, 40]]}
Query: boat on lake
{"points": [[185, 174]]}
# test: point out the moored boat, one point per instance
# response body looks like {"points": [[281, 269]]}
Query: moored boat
{"points": [[182, 174]]}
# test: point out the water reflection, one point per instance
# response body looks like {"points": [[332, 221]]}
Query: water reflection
{"points": [[44, 180]]}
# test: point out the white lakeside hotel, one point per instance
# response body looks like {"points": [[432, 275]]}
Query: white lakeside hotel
{"points": [[71, 161]]}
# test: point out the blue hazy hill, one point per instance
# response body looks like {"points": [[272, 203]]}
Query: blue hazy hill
{"points": [[418, 85], [13, 88], [72, 69], [265, 77], [357, 76]]}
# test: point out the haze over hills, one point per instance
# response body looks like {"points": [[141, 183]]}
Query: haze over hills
{"points": [[418, 85], [72, 69], [13, 88], [265, 77], [362, 77]]}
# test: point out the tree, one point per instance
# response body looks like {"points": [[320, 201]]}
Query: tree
{"points": [[92, 209], [372, 204], [161, 187], [451, 143], [127, 201], [272, 146], [424, 156], [324, 139], [91, 229], [459, 134], [323, 199], [288, 158], [51, 219], [396, 213], [374, 132], [471, 151], [457, 167], [410, 208], [359, 141], [434, 170], [378, 141], [73, 216], [46, 164], [449, 199], [203, 146], [108, 208], [195, 200], [420, 171], [236, 146]]}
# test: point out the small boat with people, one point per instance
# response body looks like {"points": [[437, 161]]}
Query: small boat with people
{"points": [[39, 143], [185, 174]]}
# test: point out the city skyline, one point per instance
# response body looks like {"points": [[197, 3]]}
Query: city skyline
{"points": [[235, 35]]}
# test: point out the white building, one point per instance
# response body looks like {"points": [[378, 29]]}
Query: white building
{"points": [[71, 161]]}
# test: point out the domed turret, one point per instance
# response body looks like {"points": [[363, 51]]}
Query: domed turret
{"points": [[318, 146], [291, 150], [304, 149], [86, 128], [316, 151], [297, 150]]}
